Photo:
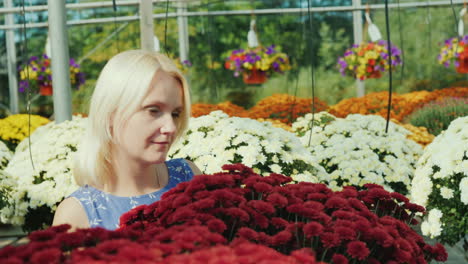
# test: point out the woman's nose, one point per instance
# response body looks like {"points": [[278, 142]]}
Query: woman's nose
{"points": [[169, 126]]}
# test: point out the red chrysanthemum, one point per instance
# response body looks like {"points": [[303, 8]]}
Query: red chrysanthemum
{"points": [[47, 256], [357, 250], [339, 259], [312, 229]]}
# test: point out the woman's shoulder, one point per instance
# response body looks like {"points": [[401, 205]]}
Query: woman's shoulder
{"points": [[182, 166], [70, 211], [84, 191]]}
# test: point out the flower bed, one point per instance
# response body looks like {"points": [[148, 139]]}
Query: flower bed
{"points": [[452, 92], [196, 220], [285, 108], [14, 128], [368, 226], [275, 123], [356, 150], [441, 184], [402, 105], [217, 139], [38, 190], [372, 103], [419, 134], [437, 115], [177, 244], [227, 107]]}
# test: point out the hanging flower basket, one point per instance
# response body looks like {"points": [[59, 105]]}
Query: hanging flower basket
{"points": [[463, 61], [258, 64], [455, 50], [368, 60], [45, 90], [37, 75], [254, 77]]}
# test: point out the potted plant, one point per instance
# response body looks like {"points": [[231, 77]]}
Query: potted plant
{"points": [[455, 50], [37, 75], [368, 60], [257, 64]]}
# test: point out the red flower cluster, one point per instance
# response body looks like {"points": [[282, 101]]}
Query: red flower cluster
{"points": [[155, 245], [371, 225], [262, 218]]}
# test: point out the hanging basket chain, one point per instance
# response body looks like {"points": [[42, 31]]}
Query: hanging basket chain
{"points": [[28, 94]]}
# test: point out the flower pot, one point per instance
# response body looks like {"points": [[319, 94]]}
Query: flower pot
{"points": [[254, 77], [375, 75], [45, 90], [463, 61]]}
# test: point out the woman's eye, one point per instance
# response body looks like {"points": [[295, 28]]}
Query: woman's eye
{"points": [[153, 110], [176, 114]]}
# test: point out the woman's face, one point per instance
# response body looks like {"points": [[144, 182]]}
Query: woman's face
{"points": [[150, 131]]}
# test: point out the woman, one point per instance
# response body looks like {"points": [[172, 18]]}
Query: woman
{"points": [[140, 106]]}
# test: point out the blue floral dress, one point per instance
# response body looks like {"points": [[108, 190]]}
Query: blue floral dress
{"points": [[104, 209]]}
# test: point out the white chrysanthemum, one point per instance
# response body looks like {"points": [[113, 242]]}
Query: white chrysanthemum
{"points": [[440, 181], [446, 193], [356, 150], [431, 226], [302, 124], [5, 155], [464, 190], [217, 139], [50, 180]]}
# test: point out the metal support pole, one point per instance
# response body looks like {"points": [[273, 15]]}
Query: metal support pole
{"points": [[60, 61], [357, 31], [182, 23], [146, 25], [11, 58]]}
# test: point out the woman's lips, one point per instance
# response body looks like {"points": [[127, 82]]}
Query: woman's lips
{"points": [[161, 143]]}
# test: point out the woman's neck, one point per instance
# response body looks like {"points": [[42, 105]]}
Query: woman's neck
{"points": [[132, 178]]}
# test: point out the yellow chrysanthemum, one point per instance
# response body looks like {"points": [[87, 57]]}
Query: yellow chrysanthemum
{"points": [[15, 128]]}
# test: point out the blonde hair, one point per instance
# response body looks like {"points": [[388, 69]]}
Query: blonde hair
{"points": [[120, 89]]}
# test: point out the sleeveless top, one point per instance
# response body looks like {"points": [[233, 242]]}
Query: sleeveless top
{"points": [[104, 209]]}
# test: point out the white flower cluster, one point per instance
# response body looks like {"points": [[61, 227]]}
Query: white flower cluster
{"points": [[217, 139], [302, 124], [441, 178], [432, 225], [50, 180], [5, 155], [356, 150]]}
